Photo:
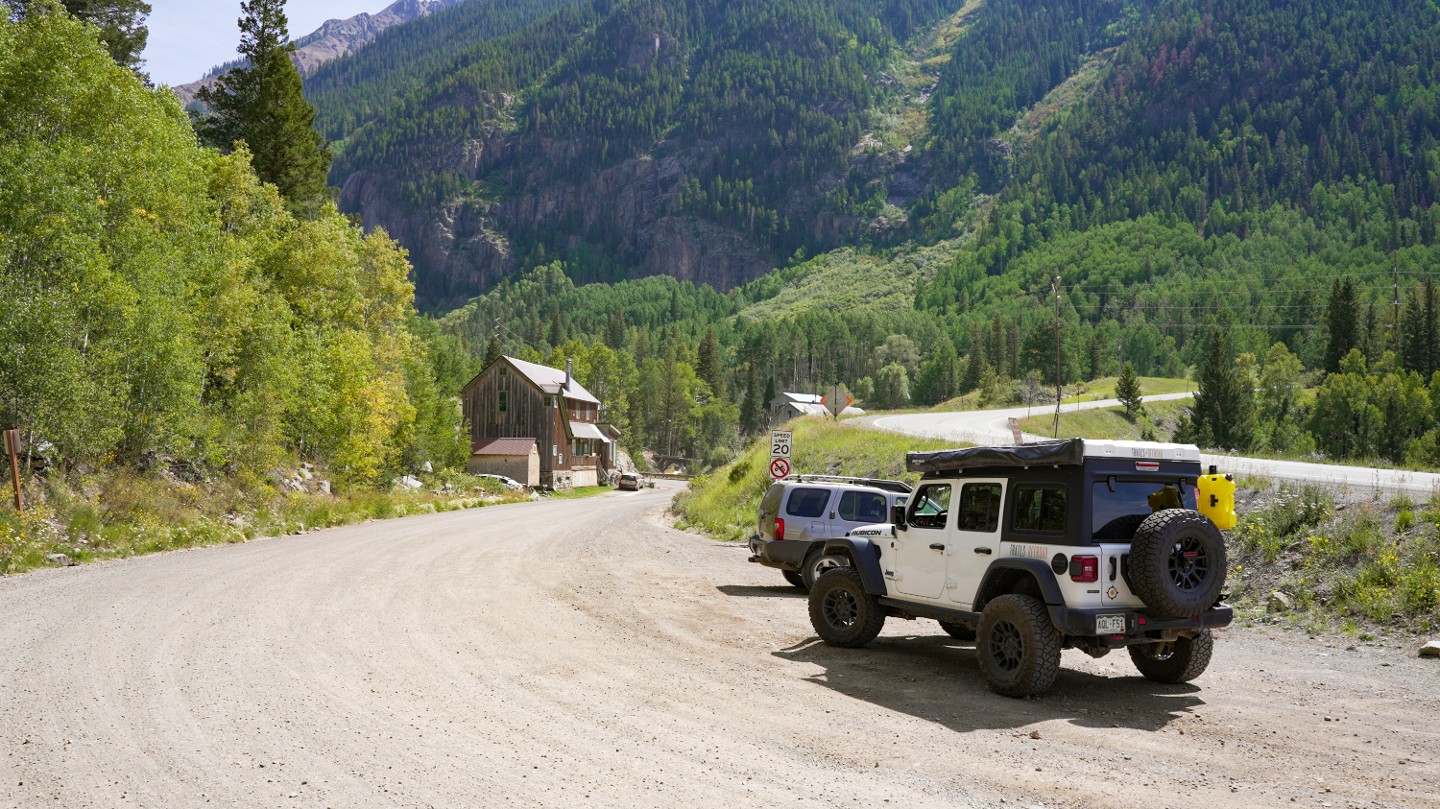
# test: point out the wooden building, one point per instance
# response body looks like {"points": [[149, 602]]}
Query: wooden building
{"points": [[512, 398]]}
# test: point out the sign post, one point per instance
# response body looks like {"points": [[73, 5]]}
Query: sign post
{"points": [[1014, 425], [780, 447], [12, 443], [836, 400]]}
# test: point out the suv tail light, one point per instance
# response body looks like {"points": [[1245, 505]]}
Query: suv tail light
{"points": [[779, 528], [1084, 568]]}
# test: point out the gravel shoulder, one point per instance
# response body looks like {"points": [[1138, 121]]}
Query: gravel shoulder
{"points": [[585, 653]]}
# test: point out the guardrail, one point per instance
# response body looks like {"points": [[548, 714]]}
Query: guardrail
{"points": [[667, 475]]}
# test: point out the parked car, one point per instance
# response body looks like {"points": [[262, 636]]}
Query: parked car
{"points": [[507, 482], [799, 513], [1028, 550], [630, 481]]}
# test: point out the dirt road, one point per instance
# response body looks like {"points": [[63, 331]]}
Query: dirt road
{"points": [[582, 653]]}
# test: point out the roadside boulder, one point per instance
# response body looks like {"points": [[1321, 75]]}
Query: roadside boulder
{"points": [[408, 482], [1431, 649], [1279, 602]]}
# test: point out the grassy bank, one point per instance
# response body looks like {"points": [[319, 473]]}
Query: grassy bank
{"points": [[723, 504], [121, 513], [1160, 419], [1362, 566]]}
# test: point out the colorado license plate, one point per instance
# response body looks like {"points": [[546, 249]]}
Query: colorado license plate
{"points": [[1110, 624]]}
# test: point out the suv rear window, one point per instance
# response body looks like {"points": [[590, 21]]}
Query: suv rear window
{"points": [[862, 507], [1039, 508], [807, 502], [1117, 513]]}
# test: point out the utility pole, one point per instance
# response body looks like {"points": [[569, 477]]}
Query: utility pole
{"points": [[1395, 324], [1055, 288]]}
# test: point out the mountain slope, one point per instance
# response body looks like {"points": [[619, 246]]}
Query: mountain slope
{"points": [[335, 38], [696, 138]]}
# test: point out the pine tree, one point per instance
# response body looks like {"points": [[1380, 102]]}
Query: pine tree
{"points": [[493, 350], [1127, 390], [1343, 318], [262, 104], [1223, 413]]}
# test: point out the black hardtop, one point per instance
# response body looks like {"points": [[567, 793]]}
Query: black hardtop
{"points": [[1070, 452]]}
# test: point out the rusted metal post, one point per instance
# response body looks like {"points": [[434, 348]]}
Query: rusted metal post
{"points": [[12, 442]]}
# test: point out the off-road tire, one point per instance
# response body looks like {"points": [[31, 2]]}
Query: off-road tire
{"points": [[842, 613], [1177, 562], [1018, 647], [958, 631], [794, 578], [1177, 662], [816, 564]]}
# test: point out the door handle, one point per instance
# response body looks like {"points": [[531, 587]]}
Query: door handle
{"points": [[937, 546], [985, 551]]}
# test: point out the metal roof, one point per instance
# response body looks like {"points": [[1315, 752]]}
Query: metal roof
{"points": [[552, 380], [504, 446], [584, 429]]}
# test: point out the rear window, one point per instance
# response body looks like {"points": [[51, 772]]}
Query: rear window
{"points": [[1039, 508], [770, 503], [1120, 505], [807, 502], [866, 507]]}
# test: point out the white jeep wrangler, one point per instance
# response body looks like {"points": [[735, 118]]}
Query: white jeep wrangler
{"points": [[1031, 549]]}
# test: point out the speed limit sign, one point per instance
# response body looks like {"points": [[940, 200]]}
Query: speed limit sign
{"points": [[780, 443]]}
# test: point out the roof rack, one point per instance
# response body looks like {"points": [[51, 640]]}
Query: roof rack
{"points": [[877, 483]]}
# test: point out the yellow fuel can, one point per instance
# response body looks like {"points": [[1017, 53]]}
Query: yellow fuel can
{"points": [[1217, 499]]}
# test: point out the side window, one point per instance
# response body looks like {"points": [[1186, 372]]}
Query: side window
{"points": [[1039, 508], [503, 401], [807, 502], [979, 507], [929, 506], [866, 507]]}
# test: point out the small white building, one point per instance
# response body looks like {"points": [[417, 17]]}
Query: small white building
{"points": [[787, 406]]}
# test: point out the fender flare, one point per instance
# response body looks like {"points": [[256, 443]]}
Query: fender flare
{"points": [[865, 556], [1039, 571]]}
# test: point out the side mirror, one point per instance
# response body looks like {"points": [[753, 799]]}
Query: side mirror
{"points": [[897, 516]]}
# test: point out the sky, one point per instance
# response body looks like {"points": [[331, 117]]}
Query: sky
{"points": [[188, 37]]}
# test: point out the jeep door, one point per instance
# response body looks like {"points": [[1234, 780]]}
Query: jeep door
{"points": [[918, 566], [975, 538]]}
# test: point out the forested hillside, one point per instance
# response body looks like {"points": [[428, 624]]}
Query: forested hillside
{"points": [[696, 139], [1183, 168], [164, 309]]}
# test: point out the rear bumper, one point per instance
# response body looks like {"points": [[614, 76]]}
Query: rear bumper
{"points": [[785, 554], [1140, 627]]}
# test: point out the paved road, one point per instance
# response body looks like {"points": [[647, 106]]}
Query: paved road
{"points": [[586, 654], [990, 427]]}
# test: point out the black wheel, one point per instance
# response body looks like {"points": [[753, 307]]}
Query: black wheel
{"points": [[816, 564], [842, 613], [958, 630], [794, 578], [1179, 661], [1019, 649], [1177, 562]]}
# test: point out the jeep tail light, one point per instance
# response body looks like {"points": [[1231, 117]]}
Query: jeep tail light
{"points": [[1085, 568], [779, 528]]}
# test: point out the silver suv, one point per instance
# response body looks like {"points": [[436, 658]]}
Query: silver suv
{"points": [[799, 513]]}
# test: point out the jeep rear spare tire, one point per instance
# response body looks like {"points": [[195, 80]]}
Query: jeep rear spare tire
{"points": [[1018, 647], [842, 613], [1177, 562]]}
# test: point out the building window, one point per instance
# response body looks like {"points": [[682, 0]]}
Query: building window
{"points": [[503, 401]]}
